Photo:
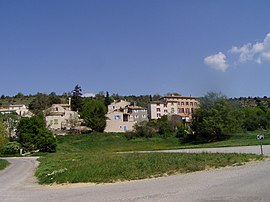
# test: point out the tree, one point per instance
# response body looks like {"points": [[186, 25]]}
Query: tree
{"points": [[107, 100], [39, 103], [33, 134], [94, 114], [54, 99], [19, 95], [76, 99], [3, 136], [215, 119]]}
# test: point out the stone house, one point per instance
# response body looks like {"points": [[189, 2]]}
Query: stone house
{"points": [[122, 116], [61, 117]]}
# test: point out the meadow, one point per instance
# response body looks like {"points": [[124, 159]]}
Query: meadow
{"points": [[93, 158]]}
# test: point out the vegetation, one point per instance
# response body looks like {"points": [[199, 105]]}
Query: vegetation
{"points": [[10, 121], [33, 135], [215, 119], [3, 137], [94, 114], [3, 164], [43, 101], [76, 99], [12, 148], [91, 158]]}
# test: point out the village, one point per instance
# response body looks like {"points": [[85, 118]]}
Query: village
{"points": [[121, 115]]}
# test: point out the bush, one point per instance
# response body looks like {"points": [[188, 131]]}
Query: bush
{"points": [[12, 148], [33, 135]]}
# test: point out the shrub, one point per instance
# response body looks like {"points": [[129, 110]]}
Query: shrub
{"points": [[12, 148]]}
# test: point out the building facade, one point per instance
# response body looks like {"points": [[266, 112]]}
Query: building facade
{"points": [[61, 117], [122, 116], [182, 106], [21, 110]]}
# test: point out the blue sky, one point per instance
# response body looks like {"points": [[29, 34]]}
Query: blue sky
{"points": [[135, 46]]}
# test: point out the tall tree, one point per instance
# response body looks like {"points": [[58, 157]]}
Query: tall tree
{"points": [[76, 99], [94, 114], [107, 101]]}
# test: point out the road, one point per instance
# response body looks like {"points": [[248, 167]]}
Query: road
{"points": [[250, 182]]}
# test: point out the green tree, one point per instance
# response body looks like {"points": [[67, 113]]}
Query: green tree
{"points": [[39, 103], [107, 100], [215, 119], [94, 114], [76, 99], [54, 99], [3, 136], [33, 134]]}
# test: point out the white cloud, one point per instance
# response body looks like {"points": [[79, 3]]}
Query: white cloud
{"points": [[217, 61], [257, 52], [88, 95]]}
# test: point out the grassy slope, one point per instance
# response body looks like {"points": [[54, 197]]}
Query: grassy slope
{"points": [[90, 158]]}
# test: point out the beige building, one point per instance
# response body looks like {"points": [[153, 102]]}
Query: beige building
{"points": [[122, 116], [21, 110], [182, 106], [60, 117]]}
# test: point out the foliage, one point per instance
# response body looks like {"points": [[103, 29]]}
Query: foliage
{"points": [[107, 100], [3, 137], [94, 114], [164, 127], [76, 99], [256, 118], [43, 101], [33, 134], [12, 148], [3, 164], [144, 129], [184, 134], [10, 121], [215, 119]]}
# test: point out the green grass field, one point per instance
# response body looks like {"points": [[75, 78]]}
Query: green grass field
{"points": [[3, 164], [92, 158]]}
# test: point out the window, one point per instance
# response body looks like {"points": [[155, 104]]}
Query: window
{"points": [[165, 111], [158, 115], [144, 116], [187, 103], [182, 110], [117, 117], [182, 103], [195, 104], [165, 105], [187, 111], [55, 121], [158, 109], [136, 116], [191, 103]]}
